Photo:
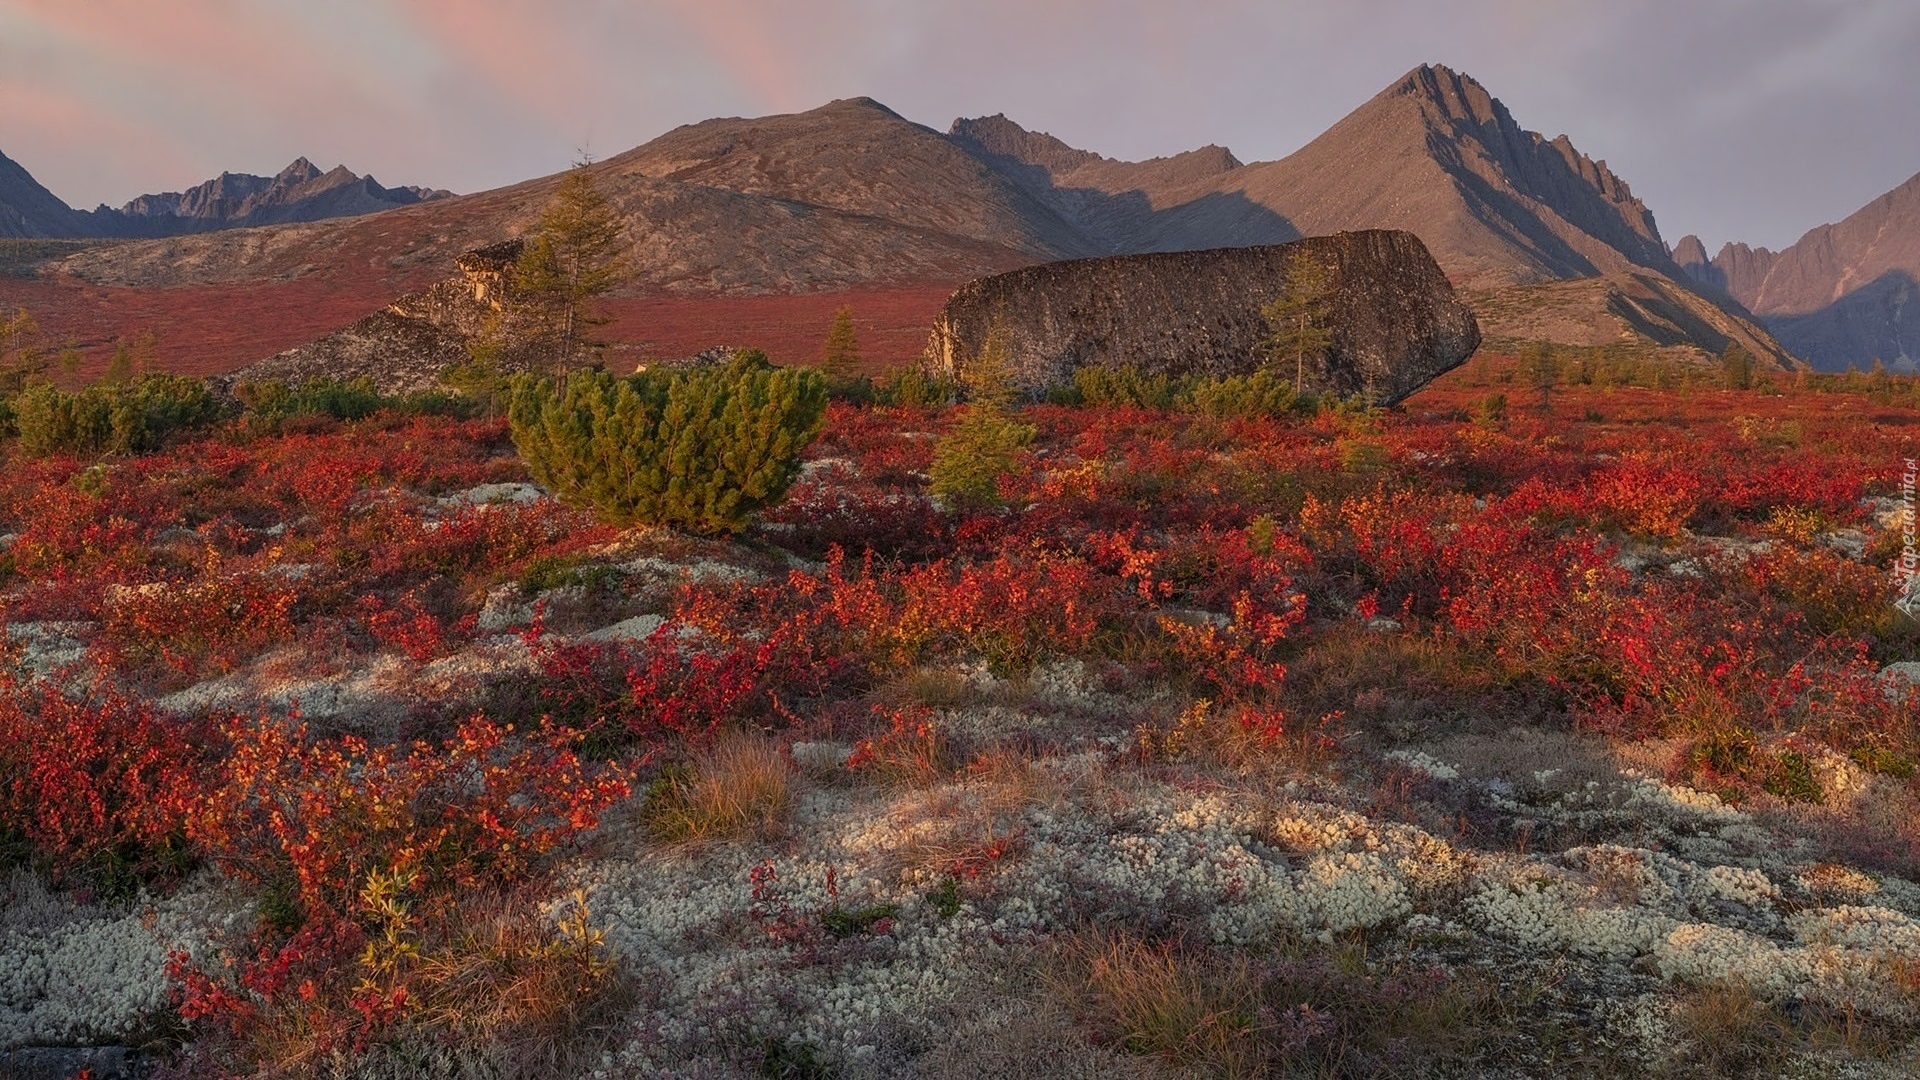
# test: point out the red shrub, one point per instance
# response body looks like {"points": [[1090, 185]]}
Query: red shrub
{"points": [[92, 778]]}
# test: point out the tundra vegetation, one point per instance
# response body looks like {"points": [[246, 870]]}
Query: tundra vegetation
{"points": [[1216, 732]]}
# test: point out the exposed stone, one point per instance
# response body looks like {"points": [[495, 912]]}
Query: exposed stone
{"points": [[1395, 320], [638, 628]]}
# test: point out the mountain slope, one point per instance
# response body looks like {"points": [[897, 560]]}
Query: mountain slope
{"points": [[1113, 203], [29, 210], [1435, 154], [852, 195], [1842, 294], [1498, 205], [843, 195], [826, 195], [1636, 308]]}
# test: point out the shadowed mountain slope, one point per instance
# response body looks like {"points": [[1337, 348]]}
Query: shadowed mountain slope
{"points": [[28, 210]]}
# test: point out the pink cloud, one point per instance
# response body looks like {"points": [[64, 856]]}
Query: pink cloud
{"points": [[765, 50], [517, 47]]}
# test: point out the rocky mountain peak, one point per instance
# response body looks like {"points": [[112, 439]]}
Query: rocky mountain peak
{"points": [[998, 135], [1455, 95], [861, 104], [299, 172], [1690, 253]]}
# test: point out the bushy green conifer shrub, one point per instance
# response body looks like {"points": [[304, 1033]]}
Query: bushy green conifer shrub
{"points": [[700, 450], [913, 388], [270, 404], [110, 418]]}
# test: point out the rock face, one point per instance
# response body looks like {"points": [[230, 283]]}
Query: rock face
{"points": [[1435, 154], [853, 194], [299, 192], [1395, 320]]}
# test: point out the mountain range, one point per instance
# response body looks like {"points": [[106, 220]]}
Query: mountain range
{"points": [[853, 196], [1845, 294], [300, 192]]}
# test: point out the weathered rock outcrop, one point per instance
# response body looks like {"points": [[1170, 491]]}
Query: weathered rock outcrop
{"points": [[1395, 321], [406, 345]]}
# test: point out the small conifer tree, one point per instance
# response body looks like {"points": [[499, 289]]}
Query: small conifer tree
{"points": [[1736, 367], [841, 357], [988, 377], [985, 443], [1540, 369], [576, 255], [1296, 318]]}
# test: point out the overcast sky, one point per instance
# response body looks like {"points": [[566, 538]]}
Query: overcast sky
{"points": [[1736, 119]]}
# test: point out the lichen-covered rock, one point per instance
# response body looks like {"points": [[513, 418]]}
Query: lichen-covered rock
{"points": [[1395, 321]]}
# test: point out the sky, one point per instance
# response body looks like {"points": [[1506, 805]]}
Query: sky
{"points": [[1749, 120]]}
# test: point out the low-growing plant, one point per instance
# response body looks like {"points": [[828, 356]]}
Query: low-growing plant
{"points": [[910, 387], [271, 404], [740, 786], [1305, 1011], [700, 450]]}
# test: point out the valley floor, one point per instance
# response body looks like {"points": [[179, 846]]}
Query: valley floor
{"points": [[1466, 740]]}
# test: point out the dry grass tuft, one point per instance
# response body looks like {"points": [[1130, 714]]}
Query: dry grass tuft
{"points": [[1728, 1030], [1299, 1012], [540, 998], [742, 786], [1196, 1013], [929, 687], [490, 987]]}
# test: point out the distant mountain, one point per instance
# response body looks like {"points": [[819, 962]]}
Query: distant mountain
{"points": [[1843, 294], [298, 193], [846, 195]]}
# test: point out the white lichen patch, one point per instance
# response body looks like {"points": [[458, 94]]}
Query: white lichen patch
{"points": [[1866, 928], [1421, 762], [699, 571], [637, 628], [77, 974], [484, 495], [43, 649]]}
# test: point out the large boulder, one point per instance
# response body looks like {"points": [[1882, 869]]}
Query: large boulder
{"points": [[1395, 321]]}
